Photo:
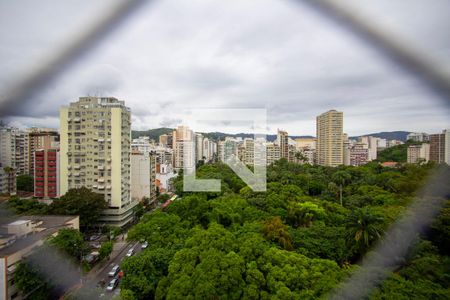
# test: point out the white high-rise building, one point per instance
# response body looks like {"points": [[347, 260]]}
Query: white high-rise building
{"points": [[95, 153]]}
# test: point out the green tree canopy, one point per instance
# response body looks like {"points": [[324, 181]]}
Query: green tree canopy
{"points": [[82, 202]]}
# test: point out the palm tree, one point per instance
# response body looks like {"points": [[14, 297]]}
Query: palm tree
{"points": [[363, 227], [341, 178]]}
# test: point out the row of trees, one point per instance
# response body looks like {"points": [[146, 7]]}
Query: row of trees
{"points": [[297, 240], [82, 202]]}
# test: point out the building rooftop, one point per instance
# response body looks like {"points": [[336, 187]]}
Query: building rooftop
{"points": [[45, 226]]}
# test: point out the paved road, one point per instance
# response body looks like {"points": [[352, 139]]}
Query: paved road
{"points": [[116, 261], [90, 288]]}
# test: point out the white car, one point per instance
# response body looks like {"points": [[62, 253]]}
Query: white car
{"points": [[144, 245], [112, 284], [130, 252], [114, 271]]}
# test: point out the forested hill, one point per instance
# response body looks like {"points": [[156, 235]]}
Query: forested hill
{"points": [[155, 133], [388, 135]]}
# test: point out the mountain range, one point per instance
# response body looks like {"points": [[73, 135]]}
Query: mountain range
{"points": [[155, 133]]}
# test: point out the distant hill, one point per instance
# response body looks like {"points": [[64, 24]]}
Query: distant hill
{"points": [[155, 133], [152, 133], [388, 135]]}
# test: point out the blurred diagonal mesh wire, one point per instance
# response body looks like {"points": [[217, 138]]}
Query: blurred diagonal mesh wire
{"points": [[392, 250]]}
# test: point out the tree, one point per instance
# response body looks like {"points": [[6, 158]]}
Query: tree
{"points": [[274, 230], [105, 249], [303, 214], [71, 242], [341, 178], [27, 206], [320, 241], [30, 282], [25, 183], [82, 202], [363, 227]]}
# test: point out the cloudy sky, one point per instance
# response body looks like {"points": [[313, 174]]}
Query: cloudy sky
{"points": [[172, 56]]}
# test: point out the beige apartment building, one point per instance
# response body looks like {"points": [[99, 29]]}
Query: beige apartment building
{"points": [[329, 128], [183, 145], [95, 146], [283, 142], [272, 152], [418, 153]]}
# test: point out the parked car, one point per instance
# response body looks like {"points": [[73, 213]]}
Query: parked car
{"points": [[144, 245], [96, 245], [130, 252], [94, 238], [112, 284], [114, 271]]}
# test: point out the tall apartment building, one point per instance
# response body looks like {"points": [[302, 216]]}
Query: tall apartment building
{"points": [[46, 173], [40, 138], [283, 142], [95, 153], [21, 152], [437, 147], [14, 151], [143, 176], [329, 129], [183, 146], [418, 153]]}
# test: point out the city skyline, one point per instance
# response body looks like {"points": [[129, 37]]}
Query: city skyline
{"points": [[203, 62]]}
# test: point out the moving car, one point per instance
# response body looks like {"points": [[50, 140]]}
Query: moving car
{"points": [[144, 245], [130, 252], [114, 271], [112, 284]]}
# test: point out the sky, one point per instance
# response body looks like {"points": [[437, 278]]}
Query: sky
{"points": [[173, 56]]}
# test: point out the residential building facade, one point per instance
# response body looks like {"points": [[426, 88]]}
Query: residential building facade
{"points": [[95, 153]]}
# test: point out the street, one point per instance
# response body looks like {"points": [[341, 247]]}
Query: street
{"points": [[103, 275], [92, 287]]}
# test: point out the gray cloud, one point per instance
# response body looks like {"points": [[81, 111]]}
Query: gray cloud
{"points": [[175, 56]]}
